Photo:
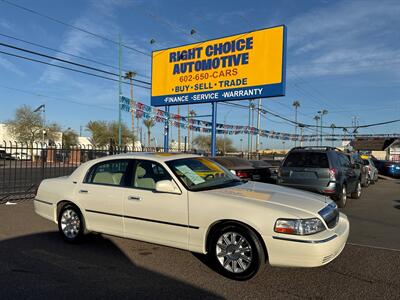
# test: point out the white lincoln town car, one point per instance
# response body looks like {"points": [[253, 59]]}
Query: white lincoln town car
{"points": [[192, 203]]}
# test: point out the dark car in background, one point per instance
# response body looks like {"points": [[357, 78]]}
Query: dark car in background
{"points": [[388, 168], [360, 168], [245, 169], [323, 170], [6, 156]]}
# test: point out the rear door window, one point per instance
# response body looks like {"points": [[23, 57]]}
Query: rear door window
{"points": [[108, 172], [344, 161], [306, 160]]}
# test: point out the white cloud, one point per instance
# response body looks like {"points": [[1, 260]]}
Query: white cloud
{"points": [[5, 24], [10, 67], [345, 38]]}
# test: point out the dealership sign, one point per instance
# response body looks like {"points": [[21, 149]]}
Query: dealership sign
{"points": [[244, 66]]}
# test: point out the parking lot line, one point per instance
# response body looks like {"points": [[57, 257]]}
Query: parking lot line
{"points": [[373, 247]]}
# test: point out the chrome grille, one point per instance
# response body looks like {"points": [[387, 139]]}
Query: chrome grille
{"points": [[330, 214]]}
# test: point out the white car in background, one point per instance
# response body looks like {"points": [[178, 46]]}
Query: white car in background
{"points": [[21, 156], [192, 203]]}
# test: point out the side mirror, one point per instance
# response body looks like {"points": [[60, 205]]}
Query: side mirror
{"points": [[167, 186]]}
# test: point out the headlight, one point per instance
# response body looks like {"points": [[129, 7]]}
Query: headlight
{"points": [[299, 226]]}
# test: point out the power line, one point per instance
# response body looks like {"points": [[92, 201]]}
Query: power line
{"points": [[73, 26], [70, 69], [56, 98], [66, 61], [66, 53], [313, 126]]}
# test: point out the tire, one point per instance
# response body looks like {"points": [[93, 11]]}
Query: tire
{"points": [[357, 193], [71, 224], [368, 182], [341, 198], [236, 252], [372, 181]]}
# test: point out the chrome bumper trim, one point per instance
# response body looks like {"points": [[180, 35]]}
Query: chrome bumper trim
{"points": [[41, 201], [305, 241]]}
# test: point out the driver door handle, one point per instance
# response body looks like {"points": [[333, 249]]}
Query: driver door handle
{"points": [[134, 198], [83, 191]]}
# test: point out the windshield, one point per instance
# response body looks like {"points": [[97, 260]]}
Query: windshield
{"points": [[199, 173]]}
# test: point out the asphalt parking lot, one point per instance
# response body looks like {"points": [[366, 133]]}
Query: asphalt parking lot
{"points": [[35, 263]]}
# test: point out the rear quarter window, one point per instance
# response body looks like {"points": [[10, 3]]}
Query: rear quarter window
{"points": [[307, 160]]}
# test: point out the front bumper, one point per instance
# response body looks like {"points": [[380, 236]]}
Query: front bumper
{"points": [[308, 251]]}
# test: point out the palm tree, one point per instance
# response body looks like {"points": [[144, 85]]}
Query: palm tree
{"points": [[149, 123]]}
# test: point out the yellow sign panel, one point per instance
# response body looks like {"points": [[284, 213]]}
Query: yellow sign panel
{"points": [[244, 66]]}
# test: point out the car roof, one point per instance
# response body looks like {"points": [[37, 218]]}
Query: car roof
{"points": [[156, 156]]}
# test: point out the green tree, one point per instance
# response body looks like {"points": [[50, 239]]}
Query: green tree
{"points": [[69, 138], [203, 142], [53, 133], [149, 123], [102, 132], [228, 144], [28, 126]]}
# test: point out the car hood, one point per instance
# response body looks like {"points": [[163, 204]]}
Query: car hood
{"points": [[275, 194]]}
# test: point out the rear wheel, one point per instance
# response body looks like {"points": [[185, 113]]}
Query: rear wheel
{"points": [[70, 224], [367, 181], [357, 193], [371, 180], [236, 252], [341, 198]]}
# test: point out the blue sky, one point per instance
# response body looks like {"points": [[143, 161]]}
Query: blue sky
{"points": [[342, 56]]}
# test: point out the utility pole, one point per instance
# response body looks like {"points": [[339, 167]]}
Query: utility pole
{"points": [[225, 130], [248, 133], [333, 126], [301, 135], [188, 127], [316, 118], [296, 105], [179, 129], [119, 93], [322, 113], [130, 75], [258, 125], [252, 126]]}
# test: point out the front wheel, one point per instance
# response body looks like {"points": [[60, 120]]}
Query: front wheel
{"points": [[70, 224], [357, 193], [236, 252]]}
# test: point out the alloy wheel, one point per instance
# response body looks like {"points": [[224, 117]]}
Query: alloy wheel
{"points": [[344, 195], [358, 189], [70, 223], [234, 252]]}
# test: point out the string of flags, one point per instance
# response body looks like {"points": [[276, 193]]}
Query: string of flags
{"points": [[143, 111]]}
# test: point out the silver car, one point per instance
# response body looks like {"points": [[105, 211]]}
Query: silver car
{"points": [[372, 170]]}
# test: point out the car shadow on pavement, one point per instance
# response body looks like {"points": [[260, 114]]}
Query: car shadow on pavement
{"points": [[397, 205], [44, 266]]}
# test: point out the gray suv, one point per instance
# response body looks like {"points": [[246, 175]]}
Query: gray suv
{"points": [[324, 170]]}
